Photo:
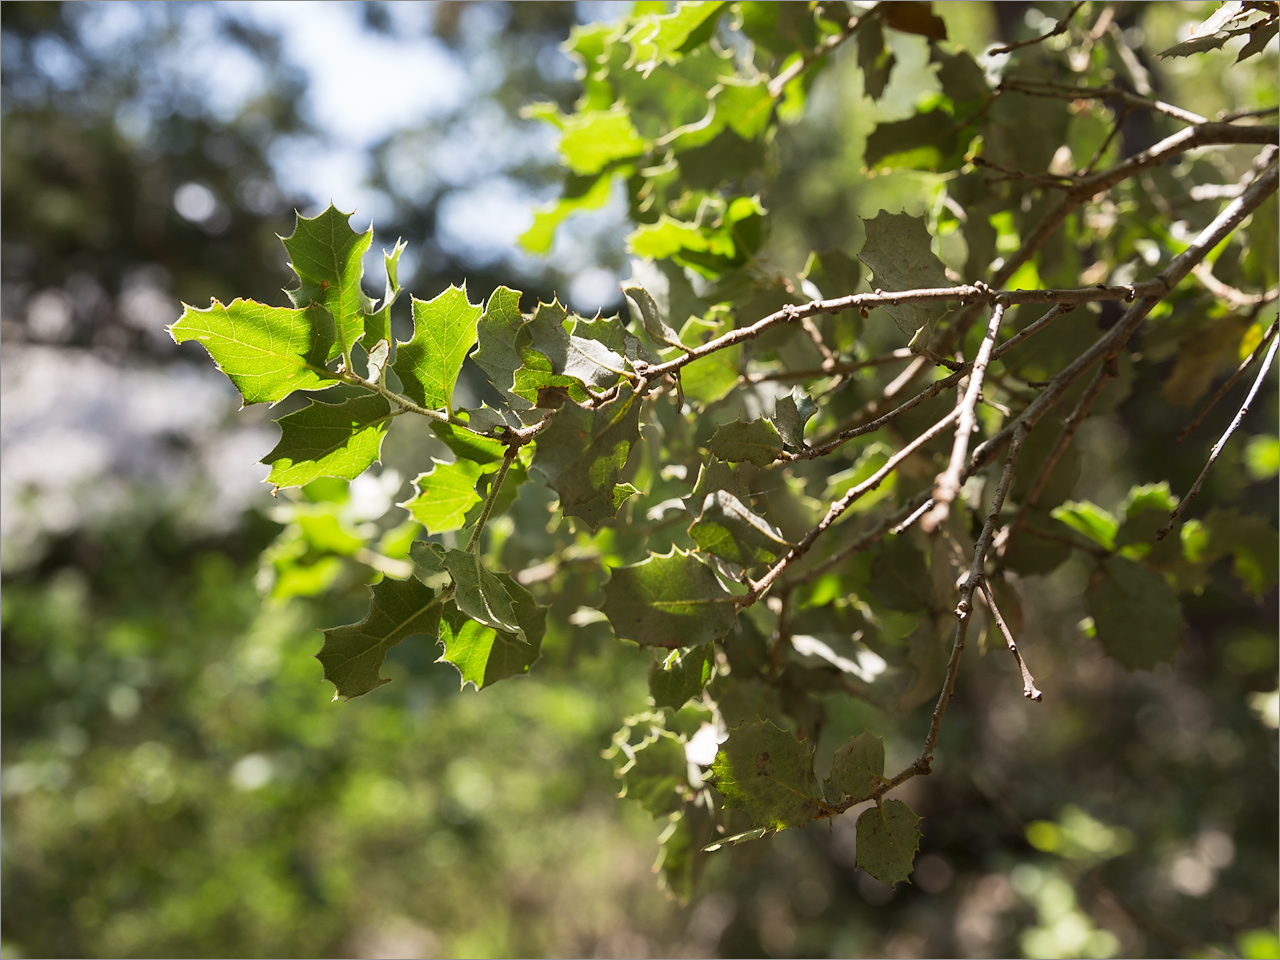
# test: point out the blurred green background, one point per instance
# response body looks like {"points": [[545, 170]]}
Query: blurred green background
{"points": [[176, 781]]}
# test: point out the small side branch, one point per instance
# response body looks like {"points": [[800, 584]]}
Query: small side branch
{"points": [[947, 486], [1222, 442], [1230, 382], [1029, 689], [494, 489], [1060, 27]]}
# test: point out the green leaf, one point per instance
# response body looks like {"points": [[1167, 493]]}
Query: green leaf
{"points": [[479, 594], [873, 57], [1135, 613], [858, 768], [768, 773], [377, 326], [658, 38], [444, 331], [933, 141], [352, 655], [582, 453], [888, 838], [716, 475], [1090, 520], [445, 493], [898, 252], [873, 457], [593, 139], [586, 360], [483, 655], [645, 308], [653, 771], [465, 443], [755, 442], [668, 600], [328, 257], [539, 237], [329, 440], [500, 331], [899, 577], [267, 352], [731, 530], [681, 675], [790, 414]]}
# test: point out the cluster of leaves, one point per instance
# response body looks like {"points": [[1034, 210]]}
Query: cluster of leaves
{"points": [[703, 476]]}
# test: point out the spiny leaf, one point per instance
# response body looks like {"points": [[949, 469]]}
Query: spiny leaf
{"points": [[858, 768], [768, 773], [329, 440], [653, 771], [483, 655], [898, 251], [790, 414], [582, 454], [680, 675], [645, 308], [445, 493], [267, 352], [352, 655], [755, 442], [328, 257], [733, 531], [1136, 614], [586, 360], [500, 337], [444, 331], [481, 595], [888, 839], [465, 443], [1090, 520], [668, 600], [377, 326]]}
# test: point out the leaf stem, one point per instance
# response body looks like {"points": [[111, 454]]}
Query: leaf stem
{"points": [[494, 488]]}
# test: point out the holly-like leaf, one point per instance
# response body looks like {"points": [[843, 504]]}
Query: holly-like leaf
{"points": [[267, 352], [790, 414], [768, 773], [888, 838], [716, 475], [680, 675], [755, 442], [328, 257], [899, 577], [466, 444], [668, 600], [444, 331], [582, 454], [377, 326], [483, 655], [858, 768], [586, 360], [481, 595], [1136, 614], [659, 38], [733, 531], [653, 771], [913, 16], [329, 440], [445, 493], [500, 336], [352, 655], [898, 252]]}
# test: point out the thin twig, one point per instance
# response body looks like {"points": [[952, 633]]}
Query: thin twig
{"points": [[494, 488], [1028, 682], [779, 83], [404, 403], [947, 485], [1061, 27], [1222, 442], [1230, 382], [1131, 101], [851, 496]]}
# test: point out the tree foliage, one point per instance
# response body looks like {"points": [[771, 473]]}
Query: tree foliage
{"points": [[798, 474]]}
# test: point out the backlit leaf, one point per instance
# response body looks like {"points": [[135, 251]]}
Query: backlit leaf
{"points": [[479, 594], [352, 655], [680, 675], [444, 331], [733, 531], [328, 257], [668, 600], [888, 838], [768, 773], [267, 352], [329, 440], [445, 493]]}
